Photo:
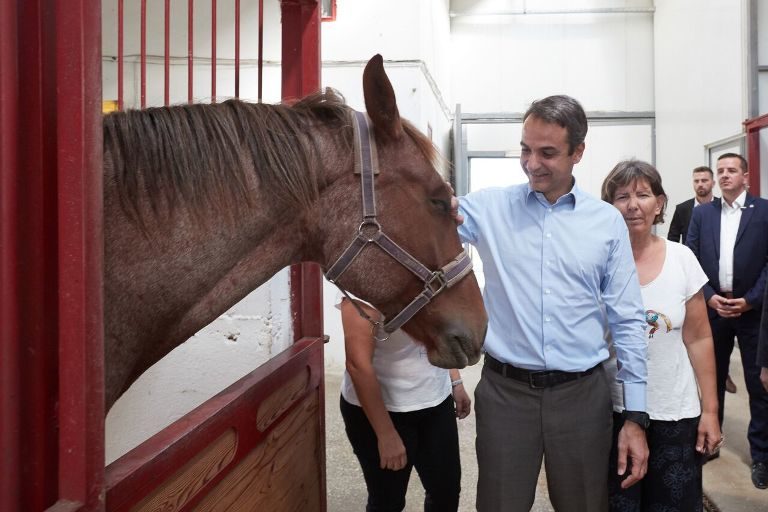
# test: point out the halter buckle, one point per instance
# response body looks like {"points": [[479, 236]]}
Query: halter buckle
{"points": [[436, 282]]}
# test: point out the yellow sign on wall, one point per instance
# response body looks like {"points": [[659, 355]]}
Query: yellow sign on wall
{"points": [[108, 106]]}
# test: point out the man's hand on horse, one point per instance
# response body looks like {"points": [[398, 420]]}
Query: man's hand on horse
{"points": [[455, 206]]}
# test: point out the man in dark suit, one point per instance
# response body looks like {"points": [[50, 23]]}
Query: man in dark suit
{"points": [[730, 239], [703, 181]]}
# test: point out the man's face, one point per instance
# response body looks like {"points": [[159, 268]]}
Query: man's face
{"points": [[544, 157], [731, 177], [702, 184]]}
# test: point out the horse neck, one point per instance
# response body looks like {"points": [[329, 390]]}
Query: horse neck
{"points": [[162, 289]]}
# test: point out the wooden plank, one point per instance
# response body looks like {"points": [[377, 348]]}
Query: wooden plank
{"points": [[176, 492], [281, 473]]}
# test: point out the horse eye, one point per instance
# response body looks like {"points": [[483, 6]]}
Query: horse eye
{"points": [[441, 204]]}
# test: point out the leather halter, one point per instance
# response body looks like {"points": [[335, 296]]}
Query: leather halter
{"points": [[370, 232]]}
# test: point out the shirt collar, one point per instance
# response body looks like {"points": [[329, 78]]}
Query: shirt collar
{"points": [[571, 197], [738, 202]]}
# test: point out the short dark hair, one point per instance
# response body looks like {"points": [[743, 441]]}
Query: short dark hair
{"points": [[704, 168], [743, 160], [564, 111], [629, 171]]}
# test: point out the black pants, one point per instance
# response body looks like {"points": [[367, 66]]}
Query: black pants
{"points": [[431, 442], [673, 481], [745, 328]]}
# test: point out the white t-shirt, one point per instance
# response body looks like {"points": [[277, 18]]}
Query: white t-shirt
{"points": [[408, 381], [672, 390]]}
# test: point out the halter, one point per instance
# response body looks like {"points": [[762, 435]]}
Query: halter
{"points": [[370, 232]]}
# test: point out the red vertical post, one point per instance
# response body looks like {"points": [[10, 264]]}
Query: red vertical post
{"points": [[167, 30], [753, 127], [120, 53], [237, 48], [10, 392], [301, 76], [261, 47], [213, 51], [190, 48], [52, 441], [143, 57]]}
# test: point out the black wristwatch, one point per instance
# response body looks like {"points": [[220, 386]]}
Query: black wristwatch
{"points": [[639, 417]]}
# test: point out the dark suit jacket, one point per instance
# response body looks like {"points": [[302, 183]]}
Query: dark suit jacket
{"points": [[750, 254], [762, 346], [678, 228], [679, 225]]}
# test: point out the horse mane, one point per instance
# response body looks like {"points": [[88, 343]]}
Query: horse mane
{"points": [[197, 155]]}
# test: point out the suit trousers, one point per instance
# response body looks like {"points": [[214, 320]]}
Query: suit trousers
{"points": [[568, 425], [745, 328]]}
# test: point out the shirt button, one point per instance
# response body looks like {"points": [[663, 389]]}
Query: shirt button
{"points": [[549, 210], [547, 291], [549, 235], [547, 318]]}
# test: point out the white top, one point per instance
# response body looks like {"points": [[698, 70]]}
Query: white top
{"points": [[672, 390], [408, 381], [730, 217]]}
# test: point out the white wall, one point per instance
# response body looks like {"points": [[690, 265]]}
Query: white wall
{"points": [[700, 86]]}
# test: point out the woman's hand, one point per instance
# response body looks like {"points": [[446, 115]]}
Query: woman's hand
{"points": [[463, 402], [392, 451], [710, 438]]}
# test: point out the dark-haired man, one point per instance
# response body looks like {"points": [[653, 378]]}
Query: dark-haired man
{"points": [[729, 239], [552, 254], [703, 182]]}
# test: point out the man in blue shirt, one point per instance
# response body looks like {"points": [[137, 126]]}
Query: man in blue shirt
{"points": [[558, 266]]}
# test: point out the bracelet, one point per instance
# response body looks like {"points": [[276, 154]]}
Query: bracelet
{"points": [[456, 382]]}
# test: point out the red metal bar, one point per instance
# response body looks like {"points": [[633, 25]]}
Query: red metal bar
{"points": [[167, 95], [753, 127], [190, 48], [261, 46], [213, 51], [143, 53], [36, 269], [237, 48], [10, 347], [120, 53], [79, 257], [301, 76]]}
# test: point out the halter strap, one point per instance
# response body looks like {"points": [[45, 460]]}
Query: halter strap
{"points": [[370, 232]]}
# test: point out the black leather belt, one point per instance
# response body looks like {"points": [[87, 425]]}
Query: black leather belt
{"points": [[534, 378]]}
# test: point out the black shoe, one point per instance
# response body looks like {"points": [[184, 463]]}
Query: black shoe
{"points": [[760, 475]]}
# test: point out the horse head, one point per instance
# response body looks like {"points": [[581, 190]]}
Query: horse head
{"points": [[413, 210]]}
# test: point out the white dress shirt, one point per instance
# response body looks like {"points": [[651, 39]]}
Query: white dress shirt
{"points": [[730, 217]]}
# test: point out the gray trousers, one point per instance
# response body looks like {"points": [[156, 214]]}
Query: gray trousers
{"points": [[568, 425]]}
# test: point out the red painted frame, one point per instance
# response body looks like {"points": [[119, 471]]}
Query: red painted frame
{"points": [[753, 127], [52, 442]]}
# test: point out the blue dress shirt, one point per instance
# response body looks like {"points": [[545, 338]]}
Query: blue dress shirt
{"points": [[554, 274]]}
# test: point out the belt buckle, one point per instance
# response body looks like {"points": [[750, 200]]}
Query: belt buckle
{"points": [[532, 379]]}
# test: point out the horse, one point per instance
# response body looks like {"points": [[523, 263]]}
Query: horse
{"points": [[205, 202]]}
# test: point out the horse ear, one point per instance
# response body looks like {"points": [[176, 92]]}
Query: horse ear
{"points": [[380, 99]]}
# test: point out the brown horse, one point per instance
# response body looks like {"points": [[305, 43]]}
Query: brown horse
{"points": [[204, 203]]}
